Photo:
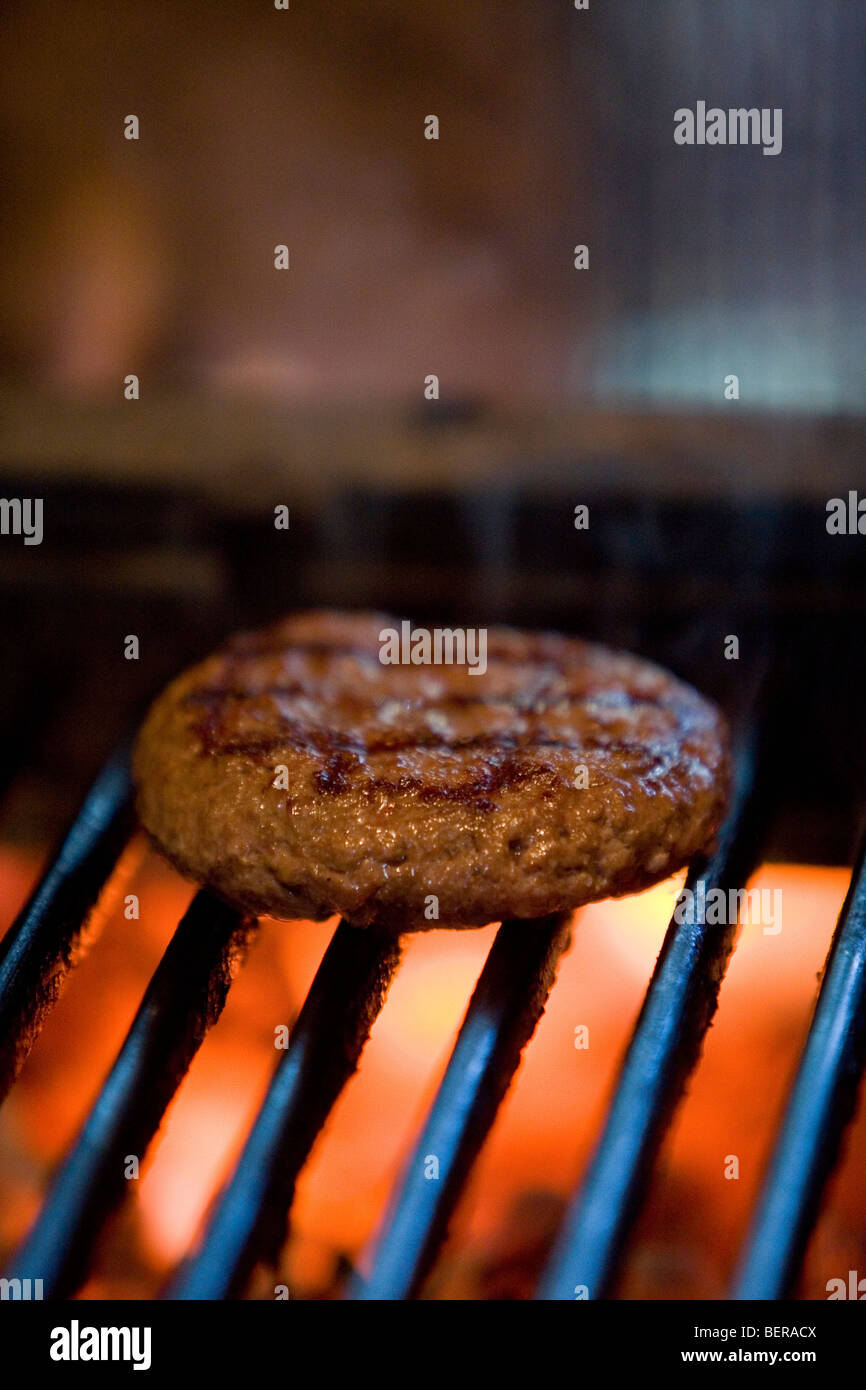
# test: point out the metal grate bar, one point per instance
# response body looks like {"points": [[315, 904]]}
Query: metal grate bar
{"points": [[249, 1219], [821, 1104], [665, 1045], [44, 942], [184, 999], [506, 1005]]}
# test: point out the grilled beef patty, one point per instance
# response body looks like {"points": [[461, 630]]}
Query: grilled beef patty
{"points": [[297, 776]]}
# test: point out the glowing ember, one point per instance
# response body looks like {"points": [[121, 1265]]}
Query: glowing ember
{"points": [[697, 1211]]}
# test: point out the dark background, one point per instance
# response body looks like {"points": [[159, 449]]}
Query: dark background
{"points": [[410, 256]]}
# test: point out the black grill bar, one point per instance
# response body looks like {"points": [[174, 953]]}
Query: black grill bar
{"points": [[506, 1005], [665, 1045], [249, 1219], [45, 941], [821, 1104], [184, 999]]}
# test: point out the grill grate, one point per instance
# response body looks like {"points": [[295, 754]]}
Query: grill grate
{"points": [[247, 1224], [821, 1104], [183, 1000], [46, 939], [341, 1007], [679, 1005], [505, 1007]]}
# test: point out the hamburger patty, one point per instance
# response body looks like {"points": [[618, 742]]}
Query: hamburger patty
{"points": [[297, 776]]}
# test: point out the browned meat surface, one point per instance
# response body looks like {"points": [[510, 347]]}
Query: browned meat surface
{"points": [[562, 774]]}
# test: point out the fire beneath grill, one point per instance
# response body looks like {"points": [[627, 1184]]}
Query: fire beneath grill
{"points": [[697, 1211]]}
